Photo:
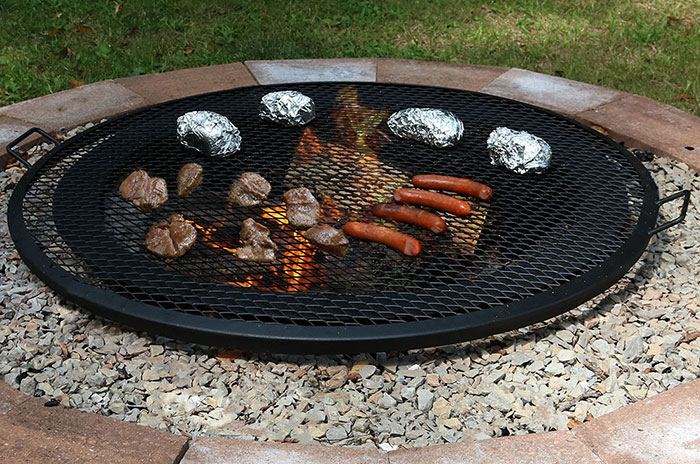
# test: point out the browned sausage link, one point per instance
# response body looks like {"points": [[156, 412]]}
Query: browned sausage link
{"points": [[417, 216], [453, 184], [396, 240], [434, 200]]}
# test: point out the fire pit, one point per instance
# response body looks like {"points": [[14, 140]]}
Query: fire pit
{"points": [[543, 245]]}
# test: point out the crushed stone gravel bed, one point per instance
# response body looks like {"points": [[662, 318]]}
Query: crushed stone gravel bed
{"points": [[639, 338]]}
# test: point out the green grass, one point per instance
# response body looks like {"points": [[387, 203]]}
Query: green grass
{"points": [[627, 45]]}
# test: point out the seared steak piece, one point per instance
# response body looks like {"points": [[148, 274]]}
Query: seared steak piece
{"points": [[250, 190], [257, 245], [188, 179], [302, 208], [328, 239], [144, 191], [171, 238]]}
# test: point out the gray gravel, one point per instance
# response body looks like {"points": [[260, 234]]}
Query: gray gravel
{"points": [[636, 340]]}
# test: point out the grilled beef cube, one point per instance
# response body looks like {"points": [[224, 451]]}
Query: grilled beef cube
{"points": [[188, 179], [144, 191], [171, 238], [302, 208], [328, 239], [257, 244], [250, 190]]}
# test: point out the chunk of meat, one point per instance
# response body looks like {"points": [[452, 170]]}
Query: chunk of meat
{"points": [[144, 191], [302, 208], [257, 244], [188, 179], [249, 190], [328, 239], [171, 238]]}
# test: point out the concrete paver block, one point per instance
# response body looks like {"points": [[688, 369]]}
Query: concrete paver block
{"points": [[555, 93], [230, 451], [283, 71], [541, 448], [157, 88], [452, 75], [650, 125], [74, 107], [662, 429], [33, 433]]}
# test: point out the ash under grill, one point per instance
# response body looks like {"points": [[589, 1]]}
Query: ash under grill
{"points": [[543, 244]]}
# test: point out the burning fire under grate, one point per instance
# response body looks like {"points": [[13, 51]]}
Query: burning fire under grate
{"points": [[542, 245]]}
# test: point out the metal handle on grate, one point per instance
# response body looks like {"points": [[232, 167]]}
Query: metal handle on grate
{"points": [[684, 209], [13, 151]]}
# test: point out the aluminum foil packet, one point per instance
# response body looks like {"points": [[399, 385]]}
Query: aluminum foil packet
{"points": [[438, 128], [519, 151], [209, 133], [287, 107]]}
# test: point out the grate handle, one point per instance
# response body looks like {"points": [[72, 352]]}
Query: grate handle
{"points": [[684, 209], [13, 151]]}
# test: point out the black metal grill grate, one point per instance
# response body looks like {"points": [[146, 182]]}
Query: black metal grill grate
{"points": [[537, 234]]}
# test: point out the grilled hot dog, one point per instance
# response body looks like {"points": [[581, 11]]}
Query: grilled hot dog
{"points": [[434, 200], [416, 216], [453, 184], [396, 240]]}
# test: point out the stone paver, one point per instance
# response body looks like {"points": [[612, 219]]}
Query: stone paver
{"points": [[456, 76], [157, 88], [283, 71], [73, 107], [555, 93], [662, 429], [10, 129], [542, 448], [33, 433], [650, 125], [230, 451]]}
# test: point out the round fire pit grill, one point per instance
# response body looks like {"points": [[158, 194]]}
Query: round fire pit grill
{"points": [[543, 245]]}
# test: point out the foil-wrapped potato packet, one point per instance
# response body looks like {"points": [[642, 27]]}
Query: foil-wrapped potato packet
{"points": [[288, 107], [519, 151], [431, 126], [209, 133]]}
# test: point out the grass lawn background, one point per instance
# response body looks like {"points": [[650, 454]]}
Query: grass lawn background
{"points": [[649, 47]]}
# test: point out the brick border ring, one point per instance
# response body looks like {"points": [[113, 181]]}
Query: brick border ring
{"points": [[664, 428]]}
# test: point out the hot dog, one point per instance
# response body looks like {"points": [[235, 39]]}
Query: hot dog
{"points": [[434, 200], [416, 216], [396, 240], [453, 184]]}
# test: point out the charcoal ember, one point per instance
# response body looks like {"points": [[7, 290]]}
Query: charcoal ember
{"points": [[209, 133], [288, 107], [249, 190], [144, 191], [188, 179], [171, 238], [519, 151], [302, 208], [328, 239], [257, 244], [431, 126]]}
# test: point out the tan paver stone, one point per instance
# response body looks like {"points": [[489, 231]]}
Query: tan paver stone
{"points": [[10, 397], [157, 88], [10, 129], [74, 107], [555, 93], [456, 76], [662, 429], [541, 448], [231, 451], [650, 125], [33, 433], [340, 69]]}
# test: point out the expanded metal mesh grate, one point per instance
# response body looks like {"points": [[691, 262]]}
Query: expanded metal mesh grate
{"points": [[538, 233]]}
